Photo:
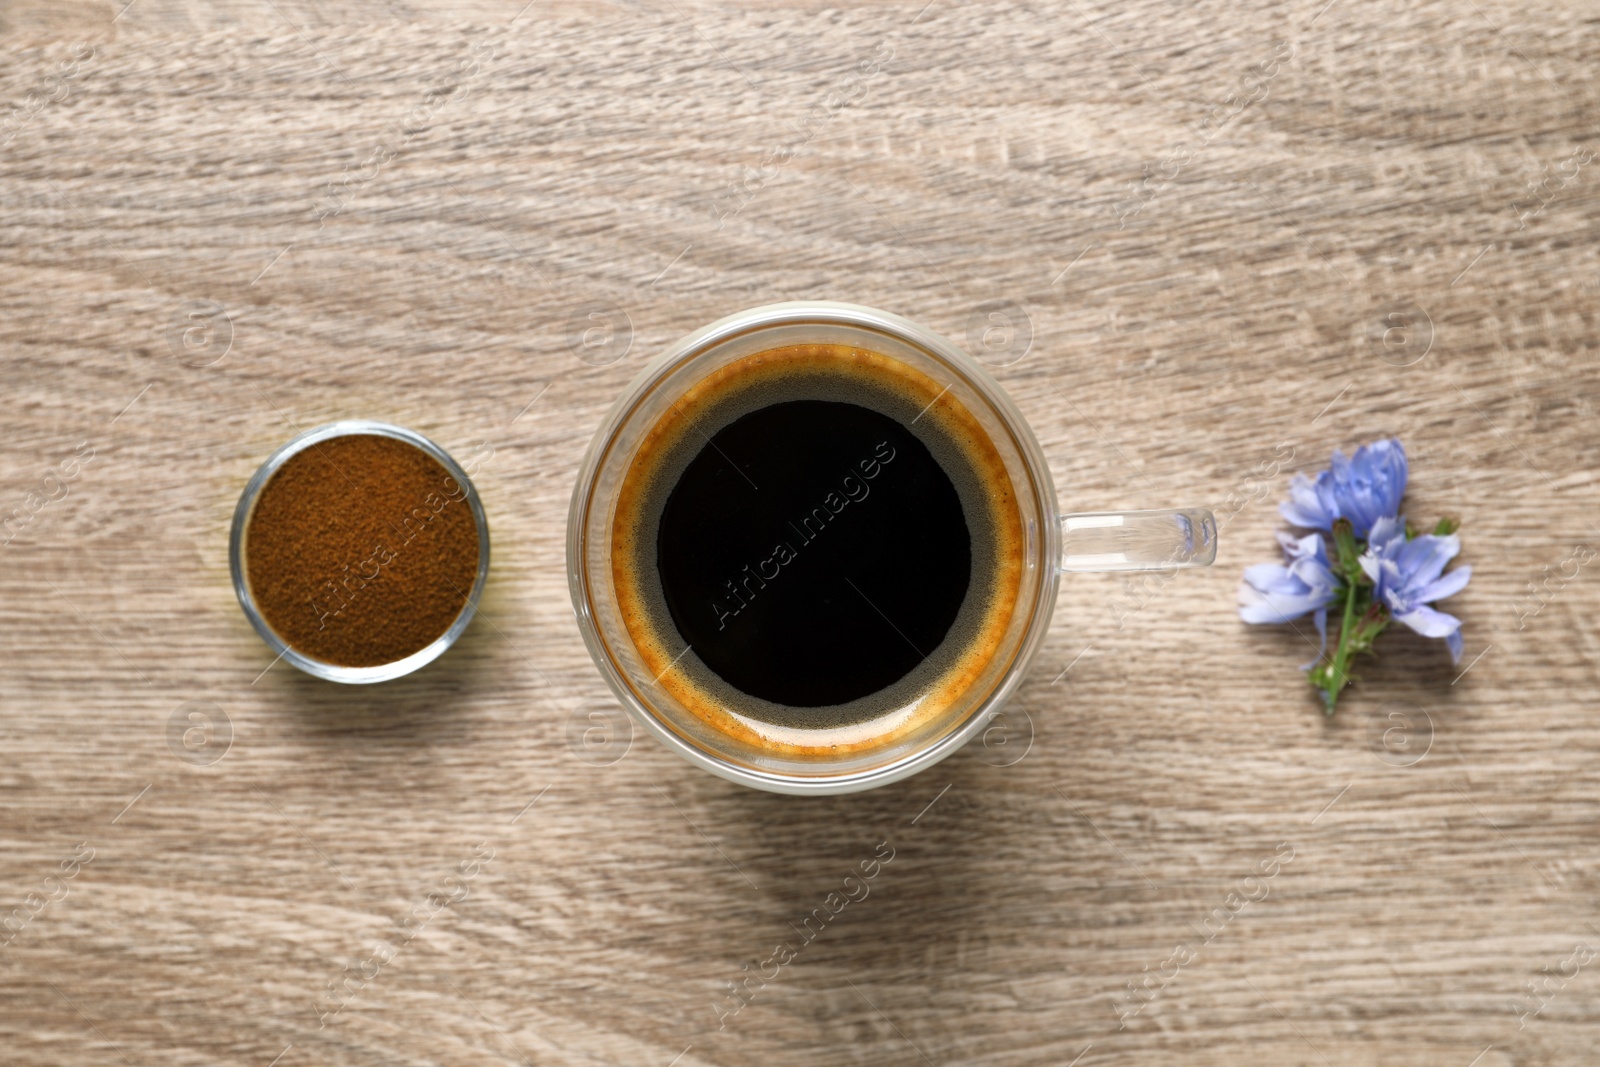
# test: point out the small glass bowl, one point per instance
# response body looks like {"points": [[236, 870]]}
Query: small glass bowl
{"points": [[383, 672]]}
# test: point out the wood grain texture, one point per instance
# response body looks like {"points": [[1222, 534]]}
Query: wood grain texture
{"points": [[494, 179]]}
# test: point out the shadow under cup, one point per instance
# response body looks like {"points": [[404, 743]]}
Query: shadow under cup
{"points": [[617, 444]]}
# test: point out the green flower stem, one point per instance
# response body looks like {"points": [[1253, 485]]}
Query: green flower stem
{"points": [[1363, 621], [1338, 673]]}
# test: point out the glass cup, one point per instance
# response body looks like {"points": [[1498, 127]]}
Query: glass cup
{"points": [[239, 548], [1053, 543]]}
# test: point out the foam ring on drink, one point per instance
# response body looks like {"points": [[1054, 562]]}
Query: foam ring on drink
{"points": [[923, 408]]}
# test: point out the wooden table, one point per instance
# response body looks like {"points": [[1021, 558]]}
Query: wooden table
{"points": [[1224, 235]]}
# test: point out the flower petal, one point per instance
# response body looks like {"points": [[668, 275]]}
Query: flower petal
{"points": [[1257, 606], [1304, 508], [1313, 575], [1423, 558], [1370, 565], [1387, 538], [1448, 586], [1340, 465], [1308, 561], [1380, 478], [1385, 531], [1267, 577], [1430, 623], [1454, 642]]}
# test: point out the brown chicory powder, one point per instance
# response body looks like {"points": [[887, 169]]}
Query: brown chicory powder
{"points": [[361, 550]]}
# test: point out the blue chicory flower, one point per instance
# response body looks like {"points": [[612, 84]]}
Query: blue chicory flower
{"points": [[1363, 488], [1274, 592], [1378, 573], [1406, 578]]}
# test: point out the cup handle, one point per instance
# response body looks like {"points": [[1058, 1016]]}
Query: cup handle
{"points": [[1138, 540]]}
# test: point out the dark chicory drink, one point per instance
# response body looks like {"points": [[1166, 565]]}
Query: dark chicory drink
{"points": [[817, 549]]}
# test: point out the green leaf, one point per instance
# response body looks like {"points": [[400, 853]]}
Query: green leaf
{"points": [[1363, 621]]}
